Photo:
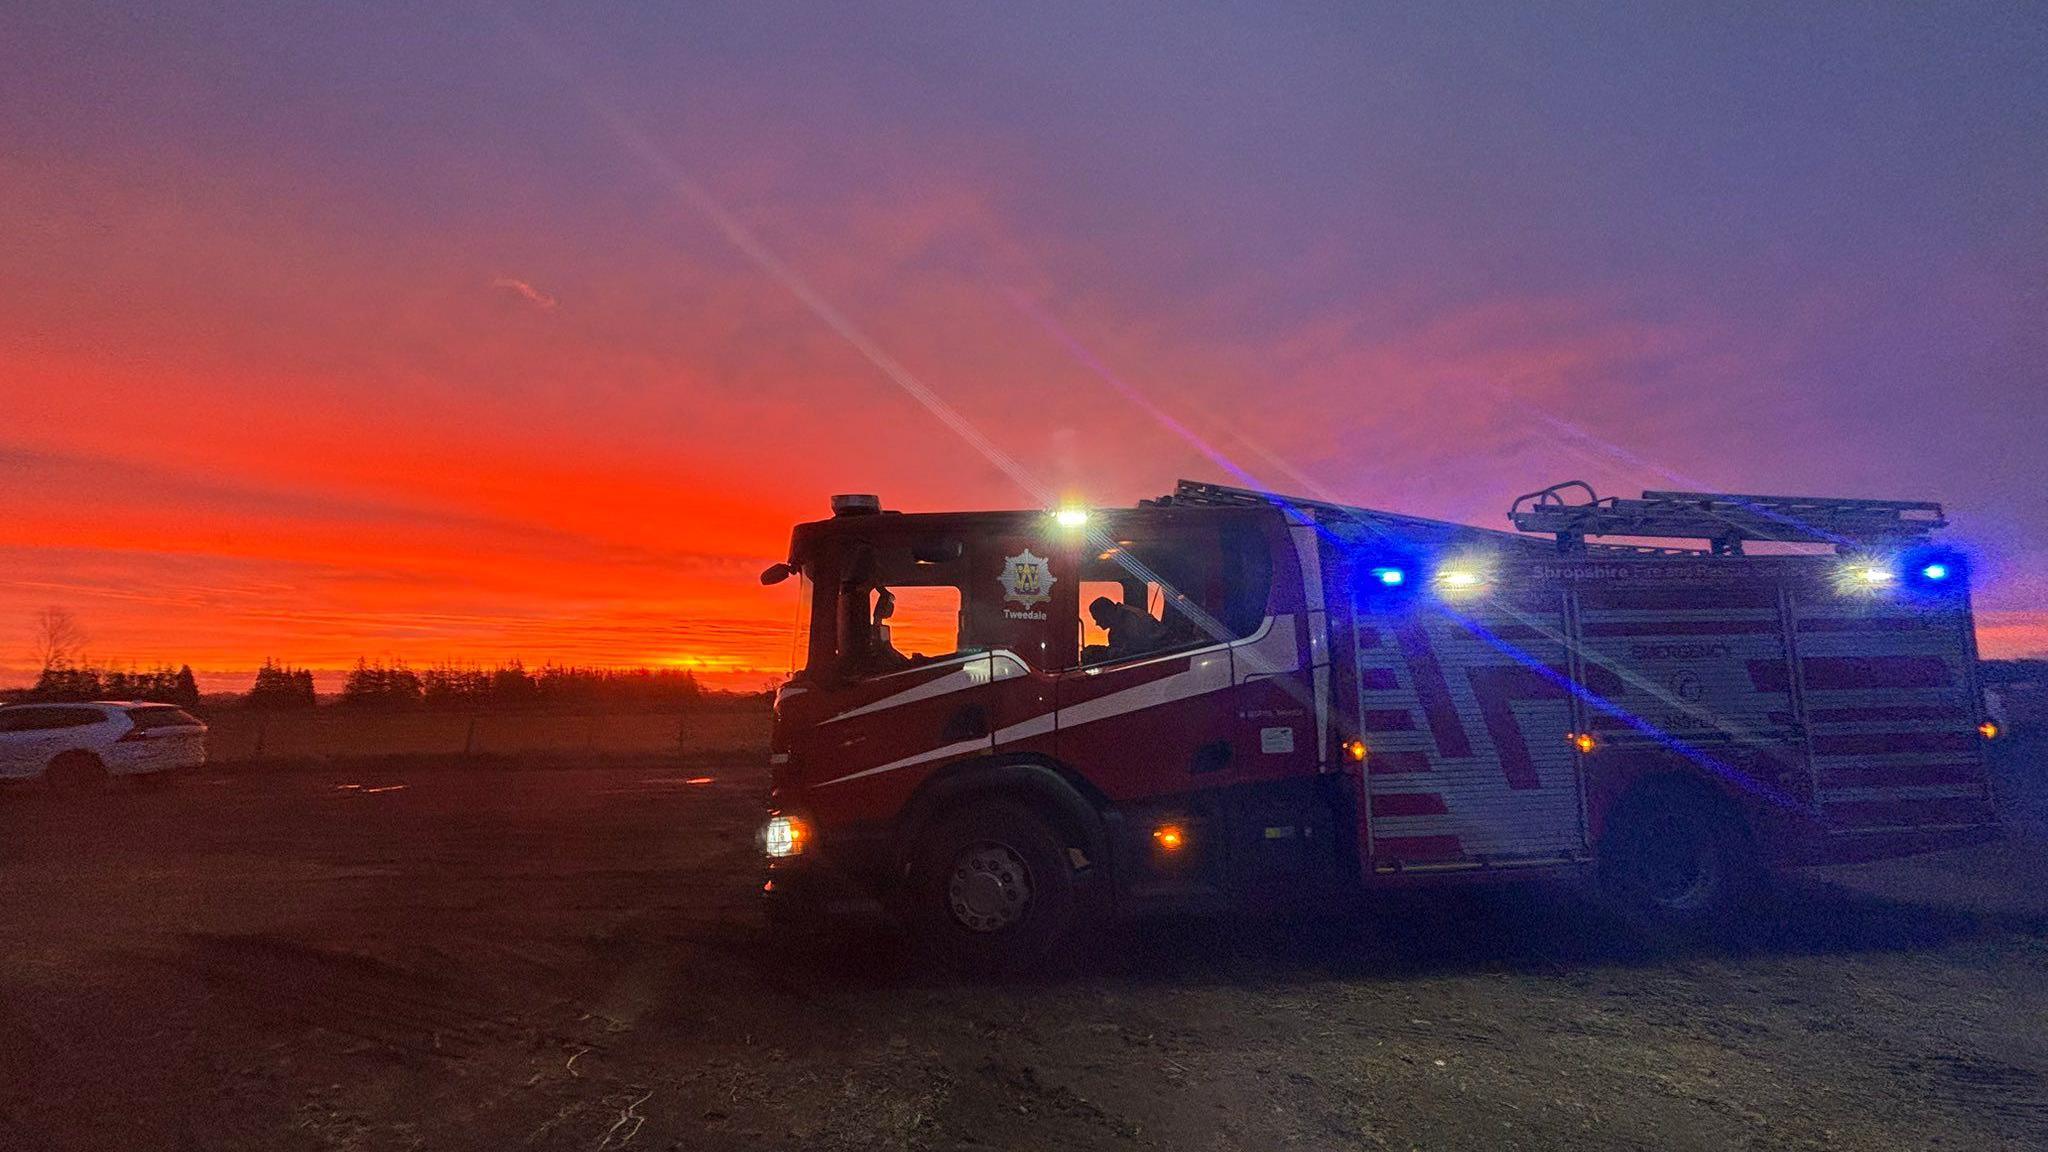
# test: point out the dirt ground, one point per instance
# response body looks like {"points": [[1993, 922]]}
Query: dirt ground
{"points": [[570, 958]]}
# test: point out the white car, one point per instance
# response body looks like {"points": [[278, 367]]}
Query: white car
{"points": [[79, 746]]}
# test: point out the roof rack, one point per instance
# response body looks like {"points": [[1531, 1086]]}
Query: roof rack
{"points": [[1195, 493], [1725, 520]]}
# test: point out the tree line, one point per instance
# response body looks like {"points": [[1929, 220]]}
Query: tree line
{"points": [[281, 687], [508, 686], [74, 683], [2024, 670], [67, 676]]}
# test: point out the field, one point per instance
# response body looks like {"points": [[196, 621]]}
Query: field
{"points": [[326, 733], [448, 955]]}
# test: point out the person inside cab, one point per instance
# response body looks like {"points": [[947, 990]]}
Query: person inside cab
{"points": [[1132, 631]]}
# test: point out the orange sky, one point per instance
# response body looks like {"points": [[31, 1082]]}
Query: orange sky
{"points": [[375, 334]]}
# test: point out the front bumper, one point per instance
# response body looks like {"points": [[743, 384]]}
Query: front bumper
{"points": [[845, 873]]}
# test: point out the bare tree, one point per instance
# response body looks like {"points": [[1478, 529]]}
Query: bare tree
{"points": [[60, 639]]}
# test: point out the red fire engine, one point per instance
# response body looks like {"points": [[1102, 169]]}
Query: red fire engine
{"points": [[1007, 721]]}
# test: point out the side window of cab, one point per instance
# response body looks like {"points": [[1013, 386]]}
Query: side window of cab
{"points": [[889, 604], [1158, 590]]}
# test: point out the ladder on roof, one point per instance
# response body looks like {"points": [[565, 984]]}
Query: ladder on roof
{"points": [[1725, 520], [1195, 493]]}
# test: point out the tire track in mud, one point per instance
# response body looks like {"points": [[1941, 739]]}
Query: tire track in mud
{"points": [[1973, 1083], [354, 994]]}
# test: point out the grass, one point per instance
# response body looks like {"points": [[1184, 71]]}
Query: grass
{"points": [[343, 733]]}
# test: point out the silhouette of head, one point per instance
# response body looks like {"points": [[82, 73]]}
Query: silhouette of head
{"points": [[1104, 611]]}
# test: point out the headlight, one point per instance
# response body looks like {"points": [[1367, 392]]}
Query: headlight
{"points": [[785, 835]]}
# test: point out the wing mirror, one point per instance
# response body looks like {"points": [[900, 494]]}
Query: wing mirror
{"points": [[776, 573]]}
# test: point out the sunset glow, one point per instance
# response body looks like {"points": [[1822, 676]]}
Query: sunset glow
{"points": [[397, 336]]}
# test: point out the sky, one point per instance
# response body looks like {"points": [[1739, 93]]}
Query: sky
{"points": [[476, 332]]}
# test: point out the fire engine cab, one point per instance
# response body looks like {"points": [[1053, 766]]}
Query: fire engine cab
{"points": [[1009, 721]]}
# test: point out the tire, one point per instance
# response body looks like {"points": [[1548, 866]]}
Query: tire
{"points": [[1677, 864], [76, 774], [991, 889]]}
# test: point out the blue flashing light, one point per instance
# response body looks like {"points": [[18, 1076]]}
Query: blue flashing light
{"points": [[1390, 578], [1934, 572]]}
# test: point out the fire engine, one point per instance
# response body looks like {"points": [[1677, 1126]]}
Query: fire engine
{"points": [[1226, 698]]}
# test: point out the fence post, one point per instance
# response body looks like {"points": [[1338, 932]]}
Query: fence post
{"points": [[682, 731], [262, 724], [469, 738]]}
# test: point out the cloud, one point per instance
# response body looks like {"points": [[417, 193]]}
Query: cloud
{"points": [[525, 291]]}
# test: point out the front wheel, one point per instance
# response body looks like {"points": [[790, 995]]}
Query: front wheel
{"points": [[1676, 865], [991, 889]]}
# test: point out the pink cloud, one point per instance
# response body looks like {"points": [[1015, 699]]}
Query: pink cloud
{"points": [[525, 291]]}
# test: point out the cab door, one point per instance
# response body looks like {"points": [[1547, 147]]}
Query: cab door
{"points": [[1161, 720], [893, 694], [1149, 726]]}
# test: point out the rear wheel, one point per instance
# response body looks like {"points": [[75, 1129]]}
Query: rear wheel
{"points": [[76, 774], [1677, 864], [991, 889]]}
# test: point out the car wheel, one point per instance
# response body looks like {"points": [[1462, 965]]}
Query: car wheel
{"points": [[76, 774], [1676, 865], [992, 889]]}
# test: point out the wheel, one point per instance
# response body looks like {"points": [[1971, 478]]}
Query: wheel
{"points": [[1676, 864], [76, 774], [992, 889]]}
